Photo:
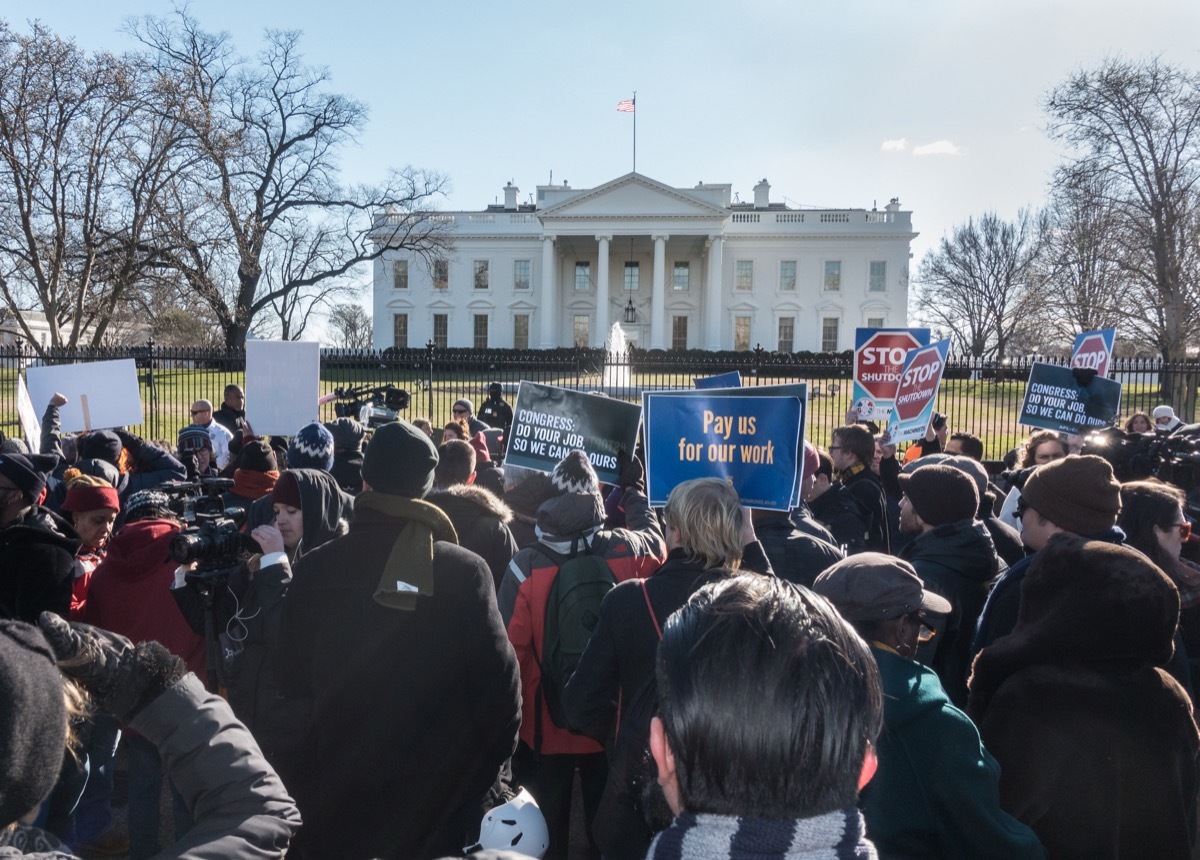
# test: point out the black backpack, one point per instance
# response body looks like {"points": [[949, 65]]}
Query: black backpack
{"points": [[572, 612]]}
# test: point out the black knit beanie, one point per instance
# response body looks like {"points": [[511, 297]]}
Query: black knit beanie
{"points": [[941, 494], [348, 434], [400, 460], [33, 719], [1077, 493], [257, 456], [101, 445]]}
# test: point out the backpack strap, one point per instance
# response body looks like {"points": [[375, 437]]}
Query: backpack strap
{"points": [[650, 609]]}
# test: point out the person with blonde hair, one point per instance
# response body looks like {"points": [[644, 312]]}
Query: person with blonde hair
{"points": [[710, 537]]}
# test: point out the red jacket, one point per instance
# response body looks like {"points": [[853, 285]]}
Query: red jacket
{"points": [[130, 592]]}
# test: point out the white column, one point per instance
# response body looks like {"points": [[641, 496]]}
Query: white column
{"points": [[712, 311], [602, 323], [658, 297], [549, 307]]}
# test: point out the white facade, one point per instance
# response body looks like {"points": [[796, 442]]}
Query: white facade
{"points": [[699, 271]]}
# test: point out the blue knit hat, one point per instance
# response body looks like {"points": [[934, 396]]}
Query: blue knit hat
{"points": [[311, 448]]}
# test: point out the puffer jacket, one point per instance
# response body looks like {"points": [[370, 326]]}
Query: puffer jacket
{"points": [[481, 522]]}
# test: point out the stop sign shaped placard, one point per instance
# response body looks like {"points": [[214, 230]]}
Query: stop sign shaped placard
{"points": [[1092, 354], [919, 383], [878, 362]]}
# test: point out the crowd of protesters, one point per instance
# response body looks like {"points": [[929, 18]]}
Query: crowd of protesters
{"points": [[923, 659]]}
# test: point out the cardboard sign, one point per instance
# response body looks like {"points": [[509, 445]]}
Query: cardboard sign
{"points": [[879, 355], [29, 416], [549, 422], [1093, 350], [733, 379], [749, 441], [100, 394], [282, 385], [1055, 400], [916, 393]]}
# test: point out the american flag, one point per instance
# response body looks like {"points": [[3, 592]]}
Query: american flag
{"points": [[626, 106]]}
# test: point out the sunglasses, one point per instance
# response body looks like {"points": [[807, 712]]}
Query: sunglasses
{"points": [[200, 411], [1022, 507], [460, 412], [1185, 530], [925, 633]]}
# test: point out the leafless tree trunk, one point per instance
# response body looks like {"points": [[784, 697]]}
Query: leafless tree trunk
{"points": [[351, 325]]}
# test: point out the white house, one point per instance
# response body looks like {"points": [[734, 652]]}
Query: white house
{"points": [[675, 267]]}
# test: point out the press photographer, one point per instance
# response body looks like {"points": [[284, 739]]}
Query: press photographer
{"points": [[247, 596]]}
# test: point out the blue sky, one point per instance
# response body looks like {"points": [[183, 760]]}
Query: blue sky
{"points": [[936, 102]]}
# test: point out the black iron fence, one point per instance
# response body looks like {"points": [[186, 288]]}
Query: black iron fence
{"points": [[980, 397]]}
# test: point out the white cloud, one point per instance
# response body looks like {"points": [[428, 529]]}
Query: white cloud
{"points": [[898, 145], [938, 147]]}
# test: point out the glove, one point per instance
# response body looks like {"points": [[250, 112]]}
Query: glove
{"points": [[632, 473], [120, 678]]}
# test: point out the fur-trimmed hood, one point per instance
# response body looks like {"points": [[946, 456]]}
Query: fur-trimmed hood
{"points": [[467, 497]]}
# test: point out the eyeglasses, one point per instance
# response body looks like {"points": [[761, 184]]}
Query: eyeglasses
{"points": [[925, 632], [200, 411], [1185, 530], [460, 412], [1022, 507]]}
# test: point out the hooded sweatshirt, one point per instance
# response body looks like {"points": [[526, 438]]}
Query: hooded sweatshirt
{"points": [[37, 565], [326, 508], [130, 591]]}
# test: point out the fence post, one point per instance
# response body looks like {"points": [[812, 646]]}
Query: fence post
{"points": [[429, 380], [151, 390]]}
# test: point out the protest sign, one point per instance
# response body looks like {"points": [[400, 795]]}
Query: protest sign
{"points": [[751, 441], [282, 385], [1093, 350], [879, 355], [100, 394], [28, 415], [794, 389], [733, 379], [549, 422], [1055, 400], [916, 393]]}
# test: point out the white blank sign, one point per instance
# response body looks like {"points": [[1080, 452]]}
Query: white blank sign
{"points": [[100, 394], [282, 385]]}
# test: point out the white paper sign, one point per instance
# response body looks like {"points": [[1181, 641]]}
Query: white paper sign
{"points": [[29, 416], [282, 385], [100, 394]]}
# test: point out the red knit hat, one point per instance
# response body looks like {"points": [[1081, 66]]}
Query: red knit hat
{"points": [[86, 498]]}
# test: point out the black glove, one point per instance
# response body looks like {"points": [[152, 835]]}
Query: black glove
{"points": [[632, 473], [121, 678]]}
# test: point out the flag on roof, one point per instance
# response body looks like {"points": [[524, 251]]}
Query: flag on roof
{"points": [[626, 106]]}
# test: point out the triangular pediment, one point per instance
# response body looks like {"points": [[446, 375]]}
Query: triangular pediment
{"points": [[633, 196]]}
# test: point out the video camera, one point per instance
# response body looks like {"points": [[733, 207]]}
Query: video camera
{"points": [[1173, 458], [372, 406], [212, 537]]}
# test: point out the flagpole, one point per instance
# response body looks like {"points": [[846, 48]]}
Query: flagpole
{"points": [[635, 131]]}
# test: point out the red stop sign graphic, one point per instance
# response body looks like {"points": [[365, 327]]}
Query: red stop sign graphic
{"points": [[878, 362], [918, 385], [1092, 355]]}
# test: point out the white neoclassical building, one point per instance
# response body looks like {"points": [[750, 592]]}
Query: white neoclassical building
{"points": [[675, 267]]}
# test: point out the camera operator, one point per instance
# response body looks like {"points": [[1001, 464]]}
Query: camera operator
{"points": [[247, 598]]}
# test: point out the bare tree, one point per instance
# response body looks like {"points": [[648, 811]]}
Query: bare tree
{"points": [[1136, 126], [264, 137], [976, 285], [78, 167], [351, 325]]}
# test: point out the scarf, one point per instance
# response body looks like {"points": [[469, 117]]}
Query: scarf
{"points": [[409, 568], [837, 835], [253, 485]]}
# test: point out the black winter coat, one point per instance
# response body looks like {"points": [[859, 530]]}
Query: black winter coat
{"points": [[795, 556], [959, 562], [481, 523], [414, 713]]}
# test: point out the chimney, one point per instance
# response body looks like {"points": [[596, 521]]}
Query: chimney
{"points": [[510, 197], [762, 194]]}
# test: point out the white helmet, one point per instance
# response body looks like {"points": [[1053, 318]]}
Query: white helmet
{"points": [[516, 826]]}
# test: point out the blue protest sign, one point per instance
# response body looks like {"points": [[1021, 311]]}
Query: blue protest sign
{"points": [[733, 379], [751, 441], [916, 393]]}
